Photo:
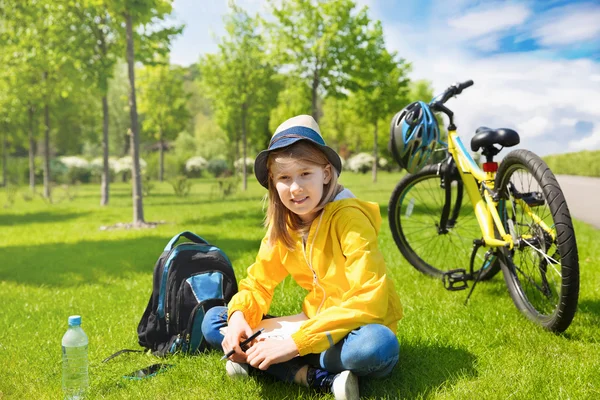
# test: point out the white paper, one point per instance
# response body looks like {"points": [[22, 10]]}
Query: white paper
{"points": [[278, 328]]}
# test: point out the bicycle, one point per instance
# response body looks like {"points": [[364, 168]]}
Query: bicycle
{"points": [[517, 222]]}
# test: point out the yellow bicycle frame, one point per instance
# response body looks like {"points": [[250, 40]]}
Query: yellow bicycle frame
{"points": [[485, 207]]}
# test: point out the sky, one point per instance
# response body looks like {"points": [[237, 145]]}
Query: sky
{"points": [[535, 64]]}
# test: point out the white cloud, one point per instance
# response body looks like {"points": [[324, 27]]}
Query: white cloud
{"points": [[480, 22], [568, 121], [587, 143], [527, 91], [569, 24], [534, 127]]}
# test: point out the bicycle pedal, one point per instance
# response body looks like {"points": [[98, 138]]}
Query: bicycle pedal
{"points": [[456, 279]]}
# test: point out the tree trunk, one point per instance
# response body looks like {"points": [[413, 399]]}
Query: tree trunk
{"points": [[375, 153], [315, 86], [136, 178], [4, 157], [127, 143], [161, 158], [47, 151], [105, 166], [31, 152], [244, 142]]}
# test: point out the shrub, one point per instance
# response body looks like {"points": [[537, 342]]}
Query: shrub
{"points": [[181, 186], [361, 162], [78, 170], [227, 186], [239, 165], [217, 167], [194, 166], [124, 165], [384, 164], [58, 171], [96, 166], [147, 185]]}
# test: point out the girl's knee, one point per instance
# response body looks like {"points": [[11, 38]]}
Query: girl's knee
{"points": [[378, 340], [375, 353], [214, 319]]}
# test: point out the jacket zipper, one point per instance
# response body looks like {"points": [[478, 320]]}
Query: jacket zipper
{"points": [[309, 263]]}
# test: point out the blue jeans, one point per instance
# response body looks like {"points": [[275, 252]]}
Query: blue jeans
{"points": [[371, 350]]}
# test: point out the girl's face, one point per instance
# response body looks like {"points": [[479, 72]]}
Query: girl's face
{"points": [[300, 185]]}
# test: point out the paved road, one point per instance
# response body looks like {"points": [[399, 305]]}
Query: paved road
{"points": [[583, 197]]}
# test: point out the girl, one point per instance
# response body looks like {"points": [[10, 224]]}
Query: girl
{"points": [[326, 239]]}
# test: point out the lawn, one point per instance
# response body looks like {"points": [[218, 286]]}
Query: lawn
{"points": [[55, 261]]}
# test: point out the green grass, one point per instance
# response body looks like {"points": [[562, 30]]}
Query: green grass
{"points": [[55, 261], [584, 163]]}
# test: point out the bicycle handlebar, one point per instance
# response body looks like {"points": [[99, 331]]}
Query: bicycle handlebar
{"points": [[452, 91], [437, 104]]}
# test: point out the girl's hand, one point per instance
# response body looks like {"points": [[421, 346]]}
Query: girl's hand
{"points": [[266, 352], [237, 330]]}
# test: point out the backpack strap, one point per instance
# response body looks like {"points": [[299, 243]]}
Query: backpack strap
{"points": [[188, 235], [121, 352]]}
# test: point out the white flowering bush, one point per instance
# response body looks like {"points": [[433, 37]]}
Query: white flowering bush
{"points": [[125, 164], [78, 169], [97, 166], [195, 165], [74, 162], [238, 165], [383, 164], [361, 162], [98, 163]]}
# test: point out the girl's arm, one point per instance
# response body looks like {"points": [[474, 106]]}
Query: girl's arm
{"points": [[256, 290], [366, 300]]}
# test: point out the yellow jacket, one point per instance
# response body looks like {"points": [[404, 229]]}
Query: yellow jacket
{"points": [[341, 267]]}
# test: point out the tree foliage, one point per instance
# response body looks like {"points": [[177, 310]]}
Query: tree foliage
{"points": [[240, 82], [163, 101], [322, 43]]}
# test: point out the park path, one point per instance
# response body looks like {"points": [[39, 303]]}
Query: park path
{"points": [[583, 197]]}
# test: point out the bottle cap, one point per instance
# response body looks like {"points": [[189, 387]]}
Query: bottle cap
{"points": [[74, 320]]}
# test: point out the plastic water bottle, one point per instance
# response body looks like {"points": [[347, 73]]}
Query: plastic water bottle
{"points": [[74, 360]]}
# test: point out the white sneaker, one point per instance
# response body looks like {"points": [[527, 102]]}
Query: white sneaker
{"points": [[345, 386], [236, 370]]}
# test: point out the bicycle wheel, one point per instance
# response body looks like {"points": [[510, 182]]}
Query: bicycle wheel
{"points": [[542, 271], [414, 214]]}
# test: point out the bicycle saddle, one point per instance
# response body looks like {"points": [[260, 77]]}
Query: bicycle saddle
{"points": [[486, 137]]}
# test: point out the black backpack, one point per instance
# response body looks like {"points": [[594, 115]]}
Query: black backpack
{"points": [[189, 279]]}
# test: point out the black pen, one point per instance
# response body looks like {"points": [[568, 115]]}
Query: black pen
{"points": [[245, 342]]}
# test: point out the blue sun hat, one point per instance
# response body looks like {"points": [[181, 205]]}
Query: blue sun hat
{"points": [[301, 127]]}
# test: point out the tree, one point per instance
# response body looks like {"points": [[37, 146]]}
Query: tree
{"points": [[321, 42], [383, 88], [43, 60], [163, 100], [293, 99], [154, 44], [239, 80], [100, 41]]}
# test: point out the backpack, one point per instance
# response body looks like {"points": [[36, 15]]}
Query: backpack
{"points": [[188, 280]]}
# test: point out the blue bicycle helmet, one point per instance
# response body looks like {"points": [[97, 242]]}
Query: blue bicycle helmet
{"points": [[414, 134]]}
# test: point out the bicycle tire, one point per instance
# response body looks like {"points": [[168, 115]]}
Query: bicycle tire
{"points": [[544, 293], [414, 214]]}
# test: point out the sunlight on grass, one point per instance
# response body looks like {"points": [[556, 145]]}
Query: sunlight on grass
{"points": [[56, 261]]}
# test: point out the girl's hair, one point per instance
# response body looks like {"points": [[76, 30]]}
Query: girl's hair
{"points": [[279, 219]]}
